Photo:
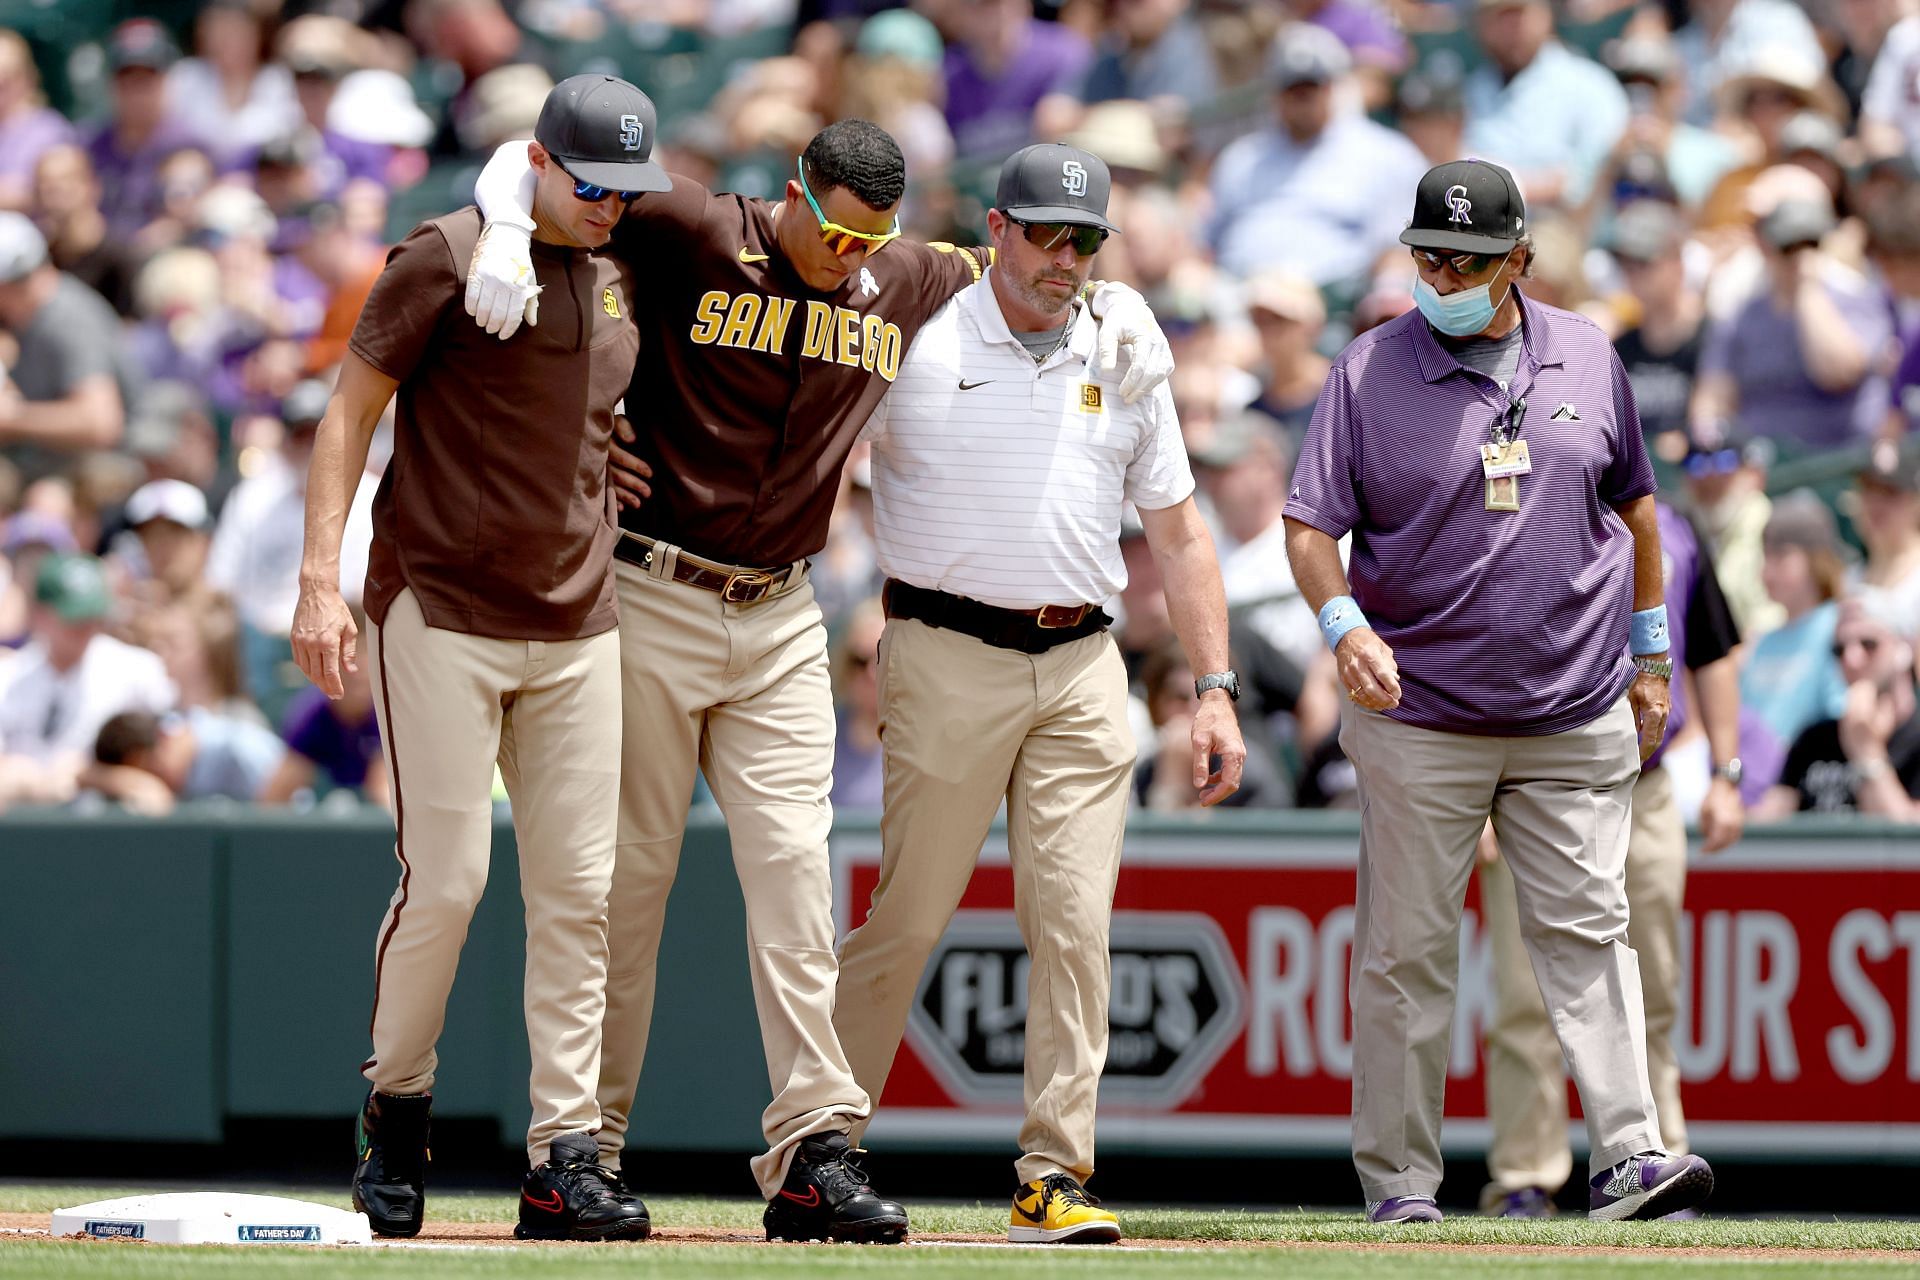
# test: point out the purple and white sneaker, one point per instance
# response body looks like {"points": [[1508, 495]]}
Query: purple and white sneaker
{"points": [[1527, 1202], [1403, 1209], [1652, 1184]]}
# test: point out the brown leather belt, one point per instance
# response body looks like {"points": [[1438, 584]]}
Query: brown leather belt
{"points": [[1022, 630], [733, 583]]}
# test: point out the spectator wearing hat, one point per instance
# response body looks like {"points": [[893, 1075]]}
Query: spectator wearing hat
{"points": [[67, 389], [1660, 350], [1550, 114], [1865, 759], [1799, 361], [149, 762], [72, 676], [895, 80], [228, 93], [255, 555], [1321, 191], [28, 126], [66, 207], [1691, 159], [128, 148], [170, 523], [1289, 315], [1790, 678], [1001, 62], [1430, 110], [1886, 515], [26, 538], [1722, 36], [1726, 487], [1890, 106]]}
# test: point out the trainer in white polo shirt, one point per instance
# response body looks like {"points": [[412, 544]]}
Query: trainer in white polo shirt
{"points": [[1000, 468]]}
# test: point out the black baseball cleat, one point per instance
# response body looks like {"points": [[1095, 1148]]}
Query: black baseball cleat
{"points": [[826, 1197], [571, 1197], [390, 1181]]}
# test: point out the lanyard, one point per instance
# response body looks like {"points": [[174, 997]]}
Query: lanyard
{"points": [[1505, 427]]}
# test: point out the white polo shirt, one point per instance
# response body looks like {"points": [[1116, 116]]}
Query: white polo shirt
{"points": [[1002, 480]]}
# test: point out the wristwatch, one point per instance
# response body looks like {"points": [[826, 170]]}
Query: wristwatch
{"points": [[1733, 770], [1228, 680], [1658, 668]]}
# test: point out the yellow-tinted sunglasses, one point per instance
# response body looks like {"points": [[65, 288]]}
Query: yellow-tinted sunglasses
{"points": [[840, 240]]}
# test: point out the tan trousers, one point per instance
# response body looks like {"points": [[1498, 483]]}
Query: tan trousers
{"points": [[741, 693], [1560, 805], [450, 705], [1526, 1079], [967, 725]]}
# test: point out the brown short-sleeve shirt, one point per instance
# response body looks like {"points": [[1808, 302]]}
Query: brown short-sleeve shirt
{"points": [[751, 388], [495, 509]]}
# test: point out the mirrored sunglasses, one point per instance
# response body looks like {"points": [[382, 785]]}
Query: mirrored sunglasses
{"points": [[1465, 264], [590, 194], [838, 239], [1086, 240]]}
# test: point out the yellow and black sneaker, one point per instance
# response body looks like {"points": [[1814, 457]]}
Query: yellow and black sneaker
{"points": [[1057, 1210]]}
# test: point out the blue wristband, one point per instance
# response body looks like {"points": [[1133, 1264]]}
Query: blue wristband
{"points": [[1339, 616], [1649, 631]]}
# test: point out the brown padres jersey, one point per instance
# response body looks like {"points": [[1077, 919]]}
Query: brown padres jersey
{"points": [[495, 509], [751, 387]]}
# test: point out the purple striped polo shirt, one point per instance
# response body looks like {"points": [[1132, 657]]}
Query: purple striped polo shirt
{"points": [[1503, 623]]}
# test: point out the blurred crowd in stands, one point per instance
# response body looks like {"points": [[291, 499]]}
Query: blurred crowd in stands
{"points": [[194, 202]]}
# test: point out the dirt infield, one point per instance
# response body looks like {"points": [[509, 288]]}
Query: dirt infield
{"points": [[30, 1226]]}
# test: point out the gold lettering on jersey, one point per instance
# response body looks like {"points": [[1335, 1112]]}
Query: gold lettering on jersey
{"points": [[609, 303], [838, 335], [819, 330], [707, 316], [846, 329], [1089, 398], [741, 314], [772, 337]]}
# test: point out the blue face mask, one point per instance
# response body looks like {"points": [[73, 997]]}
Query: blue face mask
{"points": [[1461, 314]]}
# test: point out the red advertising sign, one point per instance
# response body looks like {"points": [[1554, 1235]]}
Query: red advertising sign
{"points": [[1799, 1028]]}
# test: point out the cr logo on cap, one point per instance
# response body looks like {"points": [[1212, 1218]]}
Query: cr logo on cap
{"points": [[1461, 206], [630, 132], [1073, 176]]}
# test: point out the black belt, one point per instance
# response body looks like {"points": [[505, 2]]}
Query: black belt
{"points": [[734, 583], [1022, 630]]}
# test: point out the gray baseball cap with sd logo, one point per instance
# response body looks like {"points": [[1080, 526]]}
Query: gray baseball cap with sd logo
{"points": [[602, 130], [1053, 182]]}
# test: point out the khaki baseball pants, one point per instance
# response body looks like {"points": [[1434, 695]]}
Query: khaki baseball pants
{"points": [[965, 726], [1526, 1079], [450, 705], [1560, 805], [741, 693]]}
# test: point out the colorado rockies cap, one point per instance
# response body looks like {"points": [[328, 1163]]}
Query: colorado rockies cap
{"points": [[1053, 182], [602, 130], [1467, 206]]}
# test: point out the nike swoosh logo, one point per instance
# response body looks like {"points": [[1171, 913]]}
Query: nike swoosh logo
{"points": [[968, 386], [1031, 1215], [751, 257], [809, 1201], [555, 1207]]}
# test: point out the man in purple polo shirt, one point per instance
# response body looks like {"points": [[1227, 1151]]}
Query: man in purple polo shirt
{"points": [[1528, 1158], [1503, 645]]}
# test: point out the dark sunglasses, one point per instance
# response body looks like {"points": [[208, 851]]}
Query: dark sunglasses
{"points": [[587, 193], [1086, 241], [1718, 463], [1465, 264]]}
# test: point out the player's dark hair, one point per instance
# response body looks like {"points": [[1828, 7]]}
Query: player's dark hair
{"points": [[124, 735], [860, 156]]}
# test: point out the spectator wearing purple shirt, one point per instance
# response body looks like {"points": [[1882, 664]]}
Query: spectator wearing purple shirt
{"points": [[28, 127], [1484, 454], [1002, 63], [1528, 1159], [128, 149], [1796, 363]]}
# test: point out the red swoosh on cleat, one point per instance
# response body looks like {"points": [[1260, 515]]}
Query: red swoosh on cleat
{"points": [[555, 1207], [810, 1201]]}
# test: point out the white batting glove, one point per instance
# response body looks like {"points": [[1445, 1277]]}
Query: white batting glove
{"points": [[1127, 321], [500, 284]]}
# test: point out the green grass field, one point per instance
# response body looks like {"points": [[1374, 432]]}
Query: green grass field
{"points": [[1302, 1243]]}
